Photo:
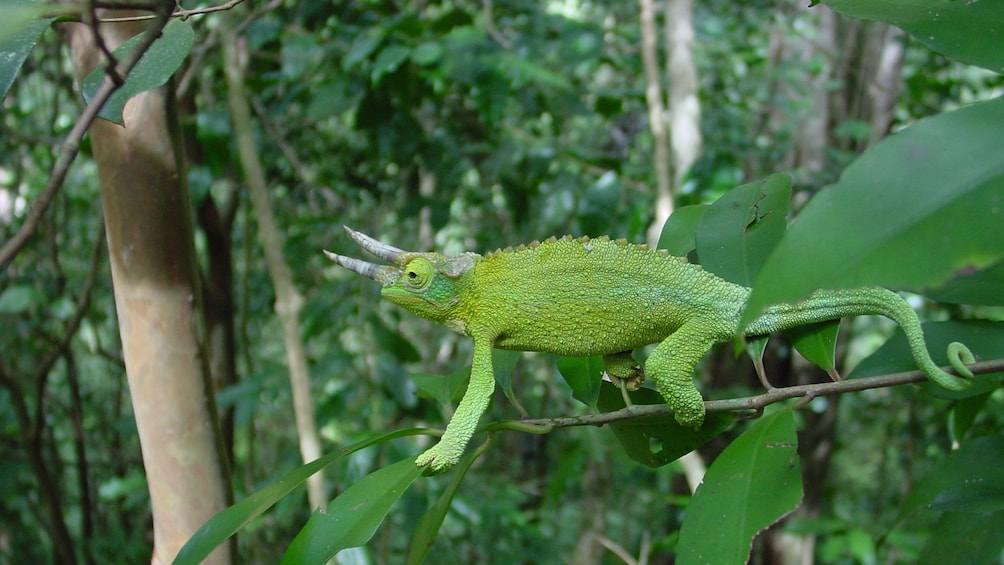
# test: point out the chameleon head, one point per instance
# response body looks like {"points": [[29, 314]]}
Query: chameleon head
{"points": [[423, 283]]}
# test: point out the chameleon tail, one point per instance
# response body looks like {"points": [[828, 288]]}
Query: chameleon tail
{"points": [[827, 305]]}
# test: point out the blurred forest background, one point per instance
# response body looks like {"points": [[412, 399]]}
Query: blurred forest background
{"points": [[444, 126]]}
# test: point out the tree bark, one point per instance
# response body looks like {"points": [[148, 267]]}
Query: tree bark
{"points": [[684, 105], [656, 120], [288, 301], [152, 254]]}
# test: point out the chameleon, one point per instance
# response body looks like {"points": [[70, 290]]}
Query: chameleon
{"points": [[599, 296]]}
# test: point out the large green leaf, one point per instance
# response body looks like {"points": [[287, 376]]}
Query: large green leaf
{"points": [[353, 517], [227, 522], [583, 375], [965, 538], [751, 485], [660, 440], [739, 230], [917, 209], [679, 232], [152, 71], [967, 31], [970, 480]]}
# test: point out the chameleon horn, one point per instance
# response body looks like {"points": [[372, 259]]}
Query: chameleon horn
{"points": [[381, 250], [368, 270]]}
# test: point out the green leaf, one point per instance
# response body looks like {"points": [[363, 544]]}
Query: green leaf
{"points": [[967, 31], [817, 343], [583, 375], [20, 28], [442, 388], [985, 339], [965, 538], [503, 365], [979, 287], [964, 414], [658, 441], [20, 298], [153, 70], [353, 517], [960, 481], [751, 485], [915, 210], [735, 236], [427, 53], [388, 61], [428, 526], [679, 232], [227, 522]]}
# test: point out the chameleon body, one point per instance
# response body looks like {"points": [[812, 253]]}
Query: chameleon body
{"points": [[583, 297]]}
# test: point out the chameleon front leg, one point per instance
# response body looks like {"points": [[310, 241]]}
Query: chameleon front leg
{"points": [[671, 365], [464, 422]]}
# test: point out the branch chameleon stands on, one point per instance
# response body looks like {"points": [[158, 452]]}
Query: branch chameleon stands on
{"points": [[582, 297]]}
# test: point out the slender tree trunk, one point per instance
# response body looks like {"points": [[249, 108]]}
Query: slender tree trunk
{"points": [[684, 105], [288, 300], [656, 120], [152, 255]]}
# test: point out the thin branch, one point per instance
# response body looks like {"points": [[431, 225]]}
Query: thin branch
{"points": [[71, 147], [183, 14], [755, 403]]}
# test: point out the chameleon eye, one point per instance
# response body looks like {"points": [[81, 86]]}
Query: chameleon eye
{"points": [[418, 274]]}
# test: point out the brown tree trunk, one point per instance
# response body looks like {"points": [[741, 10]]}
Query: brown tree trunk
{"points": [[152, 254]]}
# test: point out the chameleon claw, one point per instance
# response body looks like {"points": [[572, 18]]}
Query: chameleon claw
{"points": [[436, 460]]}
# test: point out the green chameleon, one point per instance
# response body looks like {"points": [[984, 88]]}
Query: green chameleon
{"points": [[583, 297]]}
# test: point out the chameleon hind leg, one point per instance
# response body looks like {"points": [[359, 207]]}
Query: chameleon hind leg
{"points": [[671, 365], [623, 370]]}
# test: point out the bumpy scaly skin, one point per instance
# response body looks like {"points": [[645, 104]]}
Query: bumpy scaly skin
{"points": [[582, 297]]}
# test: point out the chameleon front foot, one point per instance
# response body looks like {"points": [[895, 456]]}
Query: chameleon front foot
{"points": [[438, 458], [688, 407]]}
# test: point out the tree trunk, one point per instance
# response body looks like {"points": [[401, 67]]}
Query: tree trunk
{"points": [[288, 301], [152, 254], [684, 106], [656, 120]]}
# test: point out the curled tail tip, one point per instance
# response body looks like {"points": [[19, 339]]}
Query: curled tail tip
{"points": [[959, 356]]}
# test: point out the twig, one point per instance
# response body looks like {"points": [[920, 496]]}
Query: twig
{"points": [[183, 14], [71, 147], [756, 402]]}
